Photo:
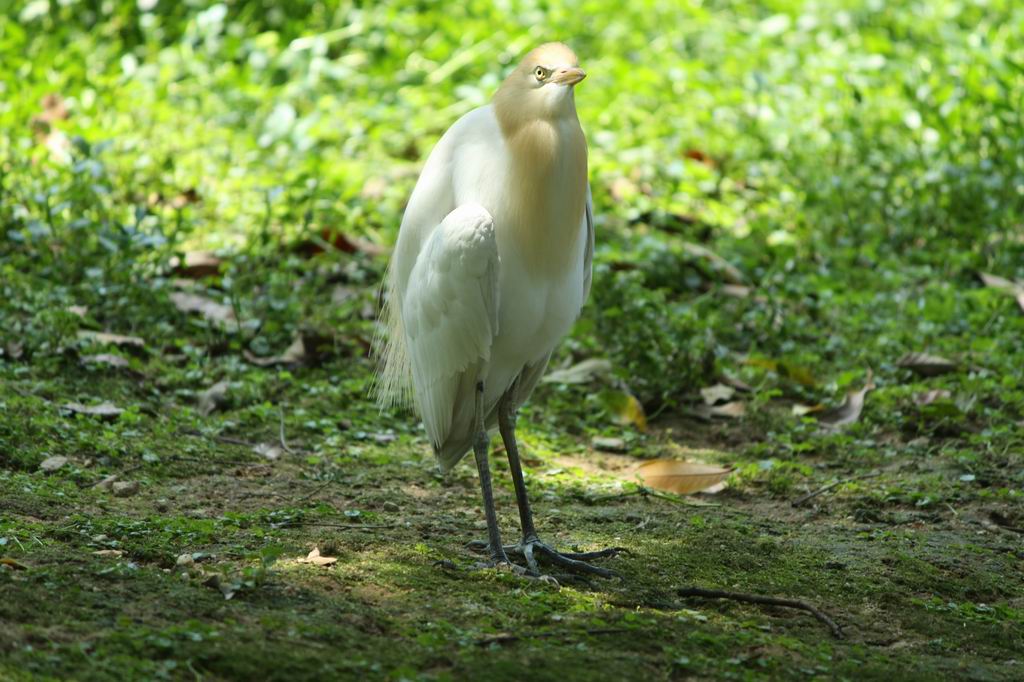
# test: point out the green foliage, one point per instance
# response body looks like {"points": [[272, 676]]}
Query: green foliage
{"points": [[786, 193]]}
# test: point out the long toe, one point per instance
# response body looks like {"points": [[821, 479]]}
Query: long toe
{"points": [[600, 554], [571, 564]]}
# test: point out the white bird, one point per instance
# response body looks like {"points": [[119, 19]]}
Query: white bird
{"points": [[491, 268]]}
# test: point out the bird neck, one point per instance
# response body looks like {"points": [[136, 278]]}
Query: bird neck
{"points": [[548, 194]]}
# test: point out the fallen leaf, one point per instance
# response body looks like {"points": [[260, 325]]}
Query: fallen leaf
{"points": [[14, 350], [111, 339], [784, 368], [699, 156], [125, 488], [13, 564], [293, 354], [269, 451], [227, 589], [736, 290], [314, 558], [738, 384], [196, 265], [607, 444], [106, 410], [719, 393], [682, 478], [799, 410], [997, 282], [926, 365], [341, 294], [184, 198], [623, 189], [213, 397], [374, 188], [850, 410], [733, 410], [580, 373], [51, 464], [108, 359], [719, 264], [109, 552], [334, 240], [625, 409], [218, 314], [929, 397]]}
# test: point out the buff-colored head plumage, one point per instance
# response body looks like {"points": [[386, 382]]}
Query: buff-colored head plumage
{"points": [[540, 87]]}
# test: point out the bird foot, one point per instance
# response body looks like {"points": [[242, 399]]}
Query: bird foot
{"points": [[531, 549]]}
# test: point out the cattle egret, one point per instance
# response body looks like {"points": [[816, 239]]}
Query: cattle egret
{"points": [[491, 268]]}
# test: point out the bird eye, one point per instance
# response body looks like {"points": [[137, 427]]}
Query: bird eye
{"points": [[541, 73]]}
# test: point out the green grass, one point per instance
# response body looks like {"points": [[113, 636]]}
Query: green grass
{"points": [[854, 166]]}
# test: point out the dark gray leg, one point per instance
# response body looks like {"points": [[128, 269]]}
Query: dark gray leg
{"points": [[480, 447], [530, 543], [507, 427]]}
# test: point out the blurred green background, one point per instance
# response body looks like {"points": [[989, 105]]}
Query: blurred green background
{"points": [[788, 195]]}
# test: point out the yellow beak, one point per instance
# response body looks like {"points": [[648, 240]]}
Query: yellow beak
{"points": [[570, 76]]}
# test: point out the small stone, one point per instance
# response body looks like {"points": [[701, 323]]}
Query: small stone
{"points": [[606, 444], [107, 483], [51, 464], [390, 506], [125, 488], [162, 505], [185, 560]]}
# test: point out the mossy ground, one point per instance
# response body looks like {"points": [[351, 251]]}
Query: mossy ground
{"points": [[787, 194]]}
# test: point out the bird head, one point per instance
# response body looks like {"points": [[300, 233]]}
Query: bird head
{"points": [[541, 87]]}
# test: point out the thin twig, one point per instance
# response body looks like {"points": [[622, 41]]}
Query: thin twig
{"points": [[509, 637], [837, 631], [345, 526], [318, 489], [645, 492], [284, 443], [835, 484]]}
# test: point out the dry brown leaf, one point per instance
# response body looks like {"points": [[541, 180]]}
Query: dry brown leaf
{"points": [[851, 409], [111, 339], [293, 354], [109, 552], [218, 314], [213, 397], [733, 410], [608, 444], [682, 478], [106, 410], [997, 282], [929, 397], [581, 373], [738, 384], [736, 290], [314, 558], [196, 264], [13, 564], [719, 393], [728, 270], [51, 464], [926, 365], [799, 410], [108, 359], [269, 451], [623, 189], [184, 198]]}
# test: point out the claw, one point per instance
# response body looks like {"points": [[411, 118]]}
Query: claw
{"points": [[532, 549]]}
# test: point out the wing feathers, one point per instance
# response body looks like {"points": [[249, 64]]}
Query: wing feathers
{"points": [[450, 312]]}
